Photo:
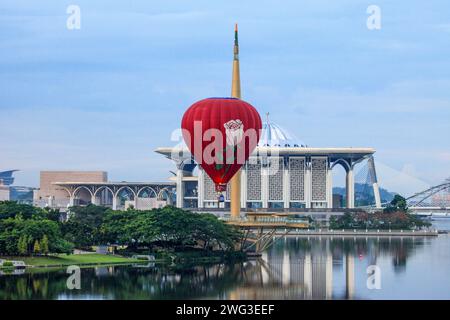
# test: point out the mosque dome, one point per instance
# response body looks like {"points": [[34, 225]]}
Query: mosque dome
{"points": [[272, 135]]}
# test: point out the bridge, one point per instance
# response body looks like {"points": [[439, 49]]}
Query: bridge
{"points": [[263, 226], [261, 230], [432, 201], [270, 220], [114, 195]]}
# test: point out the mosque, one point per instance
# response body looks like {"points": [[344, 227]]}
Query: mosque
{"points": [[282, 173]]}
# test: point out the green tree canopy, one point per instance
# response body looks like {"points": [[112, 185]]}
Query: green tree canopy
{"points": [[84, 225], [397, 204], [168, 226], [21, 225], [24, 227]]}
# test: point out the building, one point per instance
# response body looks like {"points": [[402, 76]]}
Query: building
{"points": [[63, 189], [21, 194], [4, 193], [6, 177], [282, 173], [52, 195]]}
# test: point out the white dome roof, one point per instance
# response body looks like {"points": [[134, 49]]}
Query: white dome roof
{"points": [[273, 135]]}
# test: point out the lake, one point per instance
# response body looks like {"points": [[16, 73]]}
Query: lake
{"points": [[293, 268]]}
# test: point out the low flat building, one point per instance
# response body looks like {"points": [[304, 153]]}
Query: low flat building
{"points": [[63, 189], [51, 195]]}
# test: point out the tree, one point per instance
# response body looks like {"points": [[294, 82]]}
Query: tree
{"points": [[22, 225], [29, 243], [83, 228], [211, 231], [22, 246], [168, 227], [36, 247], [122, 227], [10, 209], [53, 214], [397, 204], [25, 229], [44, 245]]}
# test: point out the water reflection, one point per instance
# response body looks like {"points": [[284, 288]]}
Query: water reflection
{"points": [[305, 270], [293, 268]]}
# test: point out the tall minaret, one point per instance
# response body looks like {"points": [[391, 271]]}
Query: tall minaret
{"points": [[236, 82], [235, 182]]}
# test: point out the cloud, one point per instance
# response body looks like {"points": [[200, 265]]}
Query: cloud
{"points": [[401, 181]]}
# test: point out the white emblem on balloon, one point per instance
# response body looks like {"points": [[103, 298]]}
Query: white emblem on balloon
{"points": [[234, 130]]}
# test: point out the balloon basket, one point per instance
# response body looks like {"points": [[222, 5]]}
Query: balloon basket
{"points": [[221, 188]]}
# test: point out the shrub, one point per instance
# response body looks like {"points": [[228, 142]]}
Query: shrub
{"points": [[8, 264]]}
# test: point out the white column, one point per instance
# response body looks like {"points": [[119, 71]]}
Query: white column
{"points": [[376, 192], [265, 275], [93, 199], [243, 187], [329, 274], [350, 186], [50, 202], [180, 191], [350, 275], [329, 187], [114, 204], [200, 187], [286, 187], [286, 269], [135, 201], [265, 187], [71, 200], [374, 180], [308, 184], [307, 276]]}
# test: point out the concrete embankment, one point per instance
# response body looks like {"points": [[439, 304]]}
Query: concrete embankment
{"points": [[361, 233]]}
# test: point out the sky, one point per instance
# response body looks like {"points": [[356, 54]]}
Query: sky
{"points": [[105, 96]]}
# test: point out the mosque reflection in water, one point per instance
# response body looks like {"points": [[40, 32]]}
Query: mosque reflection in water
{"points": [[306, 269], [293, 268], [306, 273]]}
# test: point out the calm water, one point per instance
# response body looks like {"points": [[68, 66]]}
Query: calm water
{"points": [[294, 268]]}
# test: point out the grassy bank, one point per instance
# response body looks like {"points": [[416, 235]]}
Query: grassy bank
{"points": [[99, 259], [73, 259]]}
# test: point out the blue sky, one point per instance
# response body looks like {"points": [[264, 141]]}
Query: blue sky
{"points": [[105, 96]]}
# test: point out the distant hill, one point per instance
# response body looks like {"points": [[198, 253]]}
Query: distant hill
{"points": [[364, 194]]}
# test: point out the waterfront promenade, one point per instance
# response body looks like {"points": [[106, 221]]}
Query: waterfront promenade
{"points": [[360, 233]]}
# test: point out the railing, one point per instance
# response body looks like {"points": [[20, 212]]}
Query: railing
{"points": [[268, 221], [57, 204], [367, 232]]}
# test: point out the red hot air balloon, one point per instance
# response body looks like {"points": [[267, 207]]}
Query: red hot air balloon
{"points": [[221, 133]]}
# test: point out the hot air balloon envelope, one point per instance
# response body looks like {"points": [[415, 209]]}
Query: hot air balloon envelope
{"points": [[221, 133]]}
